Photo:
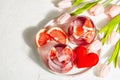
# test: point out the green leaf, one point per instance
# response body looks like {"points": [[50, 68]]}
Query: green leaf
{"points": [[116, 50], [114, 21], [104, 29], [83, 8], [118, 29], [108, 28], [116, 58], [77, 2], [109, 31]]}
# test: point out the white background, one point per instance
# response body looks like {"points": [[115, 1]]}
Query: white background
{"points": [[19, 22]]}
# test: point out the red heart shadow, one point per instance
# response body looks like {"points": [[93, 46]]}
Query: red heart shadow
{"points": [[84, 59]]}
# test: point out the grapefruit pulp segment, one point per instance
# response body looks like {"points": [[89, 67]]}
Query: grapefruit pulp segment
{"points": [[58, 35], [42, 37]]}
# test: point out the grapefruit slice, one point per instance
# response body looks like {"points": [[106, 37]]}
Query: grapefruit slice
{"points": [[58, 35], [41, 38]]}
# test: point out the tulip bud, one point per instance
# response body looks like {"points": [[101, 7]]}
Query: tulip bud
{"points": [[102, 70], [95, 46], [113, 11], [62, 19], [97, 10], [64, 4], [113, 38]]}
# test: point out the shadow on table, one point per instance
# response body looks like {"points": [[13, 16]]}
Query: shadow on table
{"points": [[55, 2], [29, 37]]}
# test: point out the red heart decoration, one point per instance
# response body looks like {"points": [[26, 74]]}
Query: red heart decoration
{"points": [[85, 59]]}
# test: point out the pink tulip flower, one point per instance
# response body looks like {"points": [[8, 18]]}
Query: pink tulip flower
{"points": [[113, 11], [64, 4], [113, 38], [102, 70], [95, 46], [63, 18], [97, 10]]}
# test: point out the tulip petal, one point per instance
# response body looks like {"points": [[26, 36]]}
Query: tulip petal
{"points": [[64, 4], [113, 11], [113, 38], [95, 46], [102, 70], [97, 10], [63, 18]]}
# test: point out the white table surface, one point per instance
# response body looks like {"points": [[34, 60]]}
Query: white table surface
{"points": [[19, 60]]}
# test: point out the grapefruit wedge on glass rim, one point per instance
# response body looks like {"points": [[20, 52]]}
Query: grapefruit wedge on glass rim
{"points": [[58, 35], [52, 34], [42, 38]]}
